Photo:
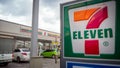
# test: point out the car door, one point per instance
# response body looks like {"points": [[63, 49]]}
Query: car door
{"points": [[46, 53], [7, 55], [16, 53]]}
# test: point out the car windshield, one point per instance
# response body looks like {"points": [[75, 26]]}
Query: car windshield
{"points": [[48, 50]]}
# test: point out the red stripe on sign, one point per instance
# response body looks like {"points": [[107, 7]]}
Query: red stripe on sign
{"points": [[91, 47], [97, 19]]}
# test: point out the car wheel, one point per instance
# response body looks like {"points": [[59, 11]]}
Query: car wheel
{"points": [[53, 56], [41, 55], [18, 59]]}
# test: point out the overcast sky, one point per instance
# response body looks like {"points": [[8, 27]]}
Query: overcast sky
{"points": [[20, 11]]}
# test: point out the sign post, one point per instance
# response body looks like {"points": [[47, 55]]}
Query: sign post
{"points": [[90, 31]]}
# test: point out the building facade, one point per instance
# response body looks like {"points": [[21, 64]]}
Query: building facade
{"points": [[21, 36]]}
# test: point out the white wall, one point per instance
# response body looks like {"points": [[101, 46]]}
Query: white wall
{"points": [[9, 27]]}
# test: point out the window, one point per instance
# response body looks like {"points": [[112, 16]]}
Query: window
{"points": [[16, 50], [26, 50]]}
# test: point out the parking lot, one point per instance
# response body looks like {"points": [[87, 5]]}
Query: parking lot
{"points": [[46, 64]]}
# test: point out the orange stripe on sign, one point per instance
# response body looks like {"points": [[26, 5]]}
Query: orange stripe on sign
{"points": [[84, 14]]}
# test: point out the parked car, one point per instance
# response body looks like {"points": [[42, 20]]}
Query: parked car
{"points": [[5, 58], [49, 53], [6, 46], [21, 54]]}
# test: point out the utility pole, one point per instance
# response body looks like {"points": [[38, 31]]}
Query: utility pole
{"points": [[34, 40]]}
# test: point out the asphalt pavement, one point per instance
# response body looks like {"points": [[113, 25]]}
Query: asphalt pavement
{"points": [[16, 65], [47, 63]]}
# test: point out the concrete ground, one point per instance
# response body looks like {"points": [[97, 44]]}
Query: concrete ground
{"points": [[44, 63], [50, 63]]}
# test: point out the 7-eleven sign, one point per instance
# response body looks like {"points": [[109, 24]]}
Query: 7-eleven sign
{"points": [[93, 29]]}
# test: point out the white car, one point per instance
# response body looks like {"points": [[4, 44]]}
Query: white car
{"points": [[21, 54], [5, 58]]}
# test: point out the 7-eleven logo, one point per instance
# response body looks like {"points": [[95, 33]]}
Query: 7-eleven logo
{"points": [[92, 46], [91, 30]]}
